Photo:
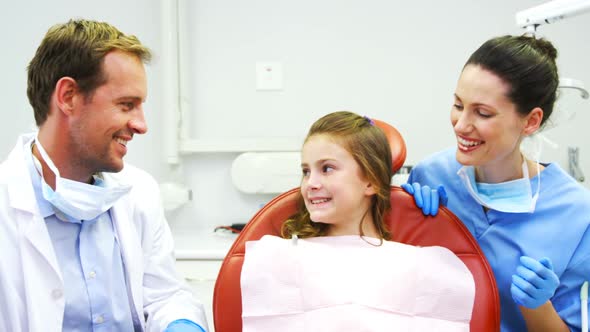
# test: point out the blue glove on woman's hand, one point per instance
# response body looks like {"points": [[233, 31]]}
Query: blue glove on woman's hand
{"points": [[534, 282], [426, 198], [184, 325]]}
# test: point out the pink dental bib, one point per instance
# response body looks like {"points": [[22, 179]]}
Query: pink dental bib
{"points": [[343, 283]]}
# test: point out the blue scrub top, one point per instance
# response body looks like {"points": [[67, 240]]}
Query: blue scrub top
{"points": [[558, 229]]}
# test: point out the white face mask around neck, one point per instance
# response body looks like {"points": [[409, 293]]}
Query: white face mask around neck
{"points": [[78, 200]]}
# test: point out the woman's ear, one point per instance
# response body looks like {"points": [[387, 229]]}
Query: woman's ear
{"points": [[533, 121]]}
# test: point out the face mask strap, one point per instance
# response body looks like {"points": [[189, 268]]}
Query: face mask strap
{"points": [[467, 175], [525, 171], [47, 160], [534, 146]]}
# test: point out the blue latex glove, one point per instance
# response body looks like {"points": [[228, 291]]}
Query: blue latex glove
{"points": [[426, 198], [184, 325], [534, 282]]}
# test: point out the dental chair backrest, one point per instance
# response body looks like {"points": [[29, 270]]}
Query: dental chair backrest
{"points": [[407, 225]]}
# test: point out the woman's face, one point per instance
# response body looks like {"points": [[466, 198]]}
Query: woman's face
{"points": [[486, 123]]}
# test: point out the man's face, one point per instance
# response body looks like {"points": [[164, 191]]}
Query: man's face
{"points": [[106, 120]]}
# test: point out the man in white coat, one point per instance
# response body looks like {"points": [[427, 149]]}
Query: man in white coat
{"points": [[83, 238]]}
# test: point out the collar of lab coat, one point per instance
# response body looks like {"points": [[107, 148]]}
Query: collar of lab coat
{"points": [[20, 187], [21, 197]]}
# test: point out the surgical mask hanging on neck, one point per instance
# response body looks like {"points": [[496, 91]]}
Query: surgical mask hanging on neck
{"points": [[512, 196], [78, 200]]}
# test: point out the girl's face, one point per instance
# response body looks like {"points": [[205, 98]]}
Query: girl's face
{"points": [[486, 123], [333, 188]]}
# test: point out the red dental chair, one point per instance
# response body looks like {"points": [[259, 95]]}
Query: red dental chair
{"points": [[407, 225]]}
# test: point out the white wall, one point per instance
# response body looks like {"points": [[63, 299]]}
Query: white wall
{"points": [[393, 60]]}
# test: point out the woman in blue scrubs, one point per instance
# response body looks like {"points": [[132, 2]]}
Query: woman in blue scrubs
{"points": [[531, 219]]}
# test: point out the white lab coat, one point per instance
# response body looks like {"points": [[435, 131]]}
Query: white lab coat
{"points": [[31, 285]]}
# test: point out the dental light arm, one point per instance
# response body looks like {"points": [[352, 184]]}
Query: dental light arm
{"points": [[570, 83], [550, 12]]}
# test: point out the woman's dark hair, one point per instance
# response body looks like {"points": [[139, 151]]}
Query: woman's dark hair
{"points": [[527, 65]]}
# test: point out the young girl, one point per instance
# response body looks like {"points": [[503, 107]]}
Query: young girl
{"points": [[339, 272], [346, 167]]}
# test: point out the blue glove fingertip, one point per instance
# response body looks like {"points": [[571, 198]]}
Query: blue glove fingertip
{"points": [[516, 293], [526, 260], [517, 301], [546, 262], [434, 202], [443, 197], [426, 200], [408, 188], [418, 196], [184, 325]]}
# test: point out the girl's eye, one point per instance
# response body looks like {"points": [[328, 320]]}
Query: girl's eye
{"points": [[458, 107], [305, 172], [327, 168]]}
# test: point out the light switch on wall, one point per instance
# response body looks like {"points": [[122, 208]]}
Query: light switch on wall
{"points": [[269, 76]]}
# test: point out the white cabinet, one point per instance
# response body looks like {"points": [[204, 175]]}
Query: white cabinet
{"points": [[201, 276]]}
